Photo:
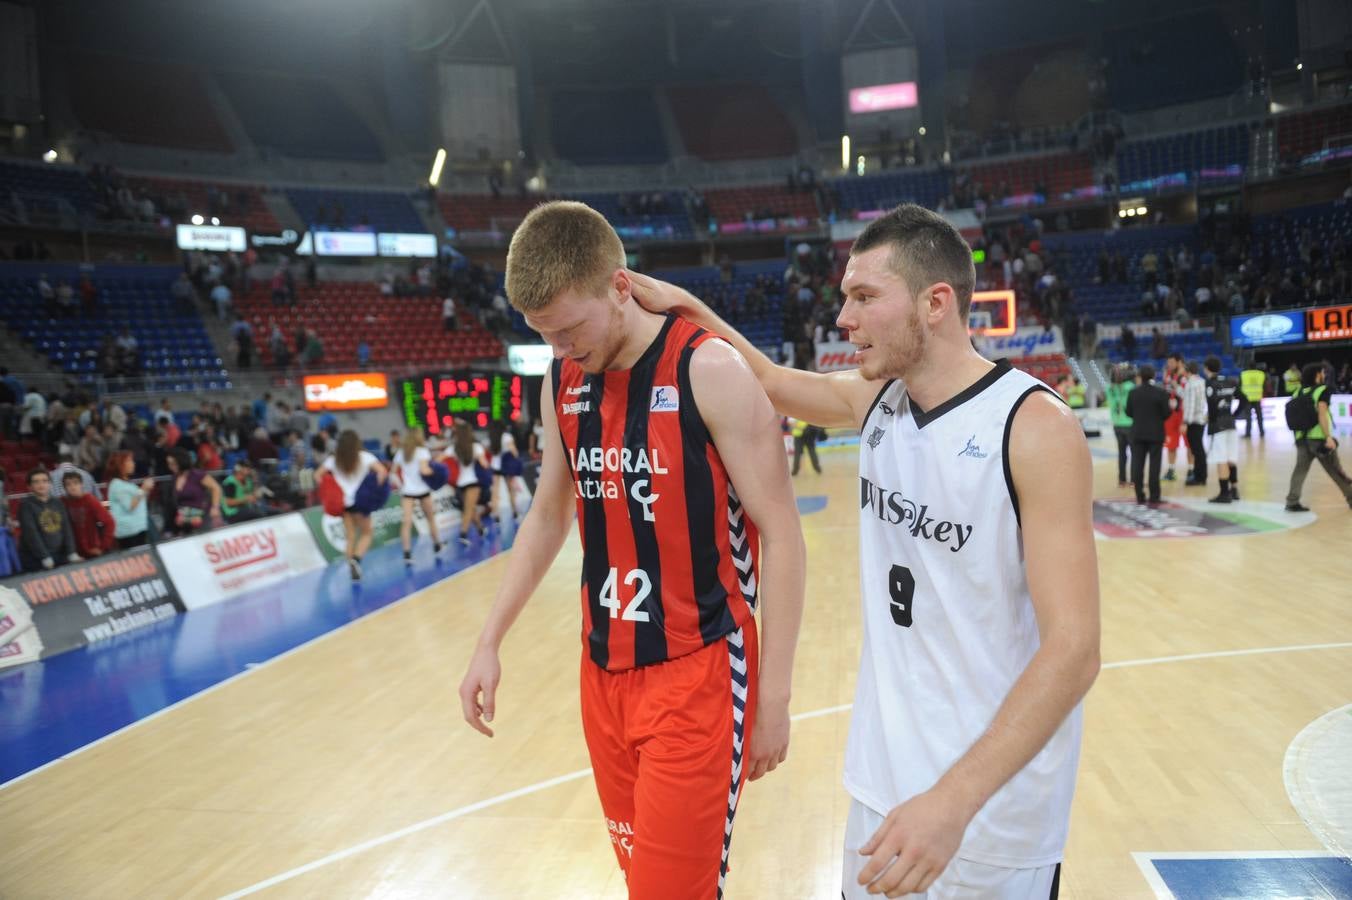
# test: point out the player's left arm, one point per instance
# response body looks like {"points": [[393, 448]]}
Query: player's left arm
{"points": [[1053, 480], [745, 428]]}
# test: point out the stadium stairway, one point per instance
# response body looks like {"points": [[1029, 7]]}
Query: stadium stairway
{"points": [[21, 358]]}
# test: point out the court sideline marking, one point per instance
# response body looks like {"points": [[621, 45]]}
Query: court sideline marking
{"points": [[462, 811], [249, 669]]}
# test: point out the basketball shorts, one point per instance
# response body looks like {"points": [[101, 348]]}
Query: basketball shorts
{"points": [[666, 744], [962, 880], [1223, 447], [1173, 429]]}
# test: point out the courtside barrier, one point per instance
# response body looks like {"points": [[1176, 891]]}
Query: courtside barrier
{"points": [[45, 613], [215, 566]]}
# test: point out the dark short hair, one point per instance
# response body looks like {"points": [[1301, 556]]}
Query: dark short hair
{"points": [[1212, 363], [35, 472], [72, 476], [1175, 355], [1192, 367], [1146, 371], [182, 457], [926, 249], [1310, 374]]}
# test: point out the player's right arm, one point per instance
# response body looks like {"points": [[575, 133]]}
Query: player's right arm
{"points": [[829, 399], [537, 543]]}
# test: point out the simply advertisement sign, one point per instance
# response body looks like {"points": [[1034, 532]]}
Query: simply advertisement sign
{"points": [[217, 565], [50, 612]]}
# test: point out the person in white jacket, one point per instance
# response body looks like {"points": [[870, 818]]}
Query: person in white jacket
{"points": [[1194, 420]]}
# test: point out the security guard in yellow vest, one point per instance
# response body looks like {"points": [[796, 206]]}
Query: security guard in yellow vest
{"points": [[1291, 380], [1251, 384], [1075, 395]]}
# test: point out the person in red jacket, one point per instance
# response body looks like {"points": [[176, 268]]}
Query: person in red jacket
{"points": [[92, 523]]}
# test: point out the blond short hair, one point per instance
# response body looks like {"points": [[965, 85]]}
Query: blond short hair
{"points": [[559, 246]]}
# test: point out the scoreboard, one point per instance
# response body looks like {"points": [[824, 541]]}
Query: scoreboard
{"points": [[434, 401]]}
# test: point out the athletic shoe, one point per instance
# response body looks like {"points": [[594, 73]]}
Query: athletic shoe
{"points": [[1234, 492], [1222, 497], [354, 568], [1170, 476], [436, 548], [464, 540], [408, 558], [1296, 507]]}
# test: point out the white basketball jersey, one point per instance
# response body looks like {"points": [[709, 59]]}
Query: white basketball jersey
{"points": [[948, 622]]}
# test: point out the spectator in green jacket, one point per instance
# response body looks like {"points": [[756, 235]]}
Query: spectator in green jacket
{"points": [[1121, 385]]}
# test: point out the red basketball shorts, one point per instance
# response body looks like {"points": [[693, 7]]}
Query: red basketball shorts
{"points": [[666, 744], [1173, 429]]}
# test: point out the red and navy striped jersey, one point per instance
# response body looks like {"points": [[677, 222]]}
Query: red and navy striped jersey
{"points": [[669, 558]]}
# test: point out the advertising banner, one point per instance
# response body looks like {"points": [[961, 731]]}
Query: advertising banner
{"points": [[879, 97], [1267, 328], [1023, 343], [354, 390], [419, 245], [1329, 323], [211, 567], [50, 612], [835, 356], [332, 539], [217, 238]]}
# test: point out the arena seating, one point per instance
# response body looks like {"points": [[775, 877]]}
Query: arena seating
{"points": [[300, 117], [766, 330], [17, 458], [1207, 153], [1281, 233], [483, 212], [1048, 367], [371, 209], [1074, 258], [720, 121], [674, 224], [172, 344], [617, 127], [1302, 133], [46, 185], [733, 204], [1197, 345], [405, 330], [127, 99], [245, 206], [1058, 174], [890, 189]]}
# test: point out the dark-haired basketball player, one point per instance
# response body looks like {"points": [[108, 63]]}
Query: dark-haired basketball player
{"points": [[978, 574]]}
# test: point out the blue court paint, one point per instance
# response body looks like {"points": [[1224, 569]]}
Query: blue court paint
{"points": [[809, 505], [1257, 878], [54, 707]]}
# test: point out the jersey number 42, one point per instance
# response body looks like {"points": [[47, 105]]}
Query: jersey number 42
{"points": [[610, 598]]}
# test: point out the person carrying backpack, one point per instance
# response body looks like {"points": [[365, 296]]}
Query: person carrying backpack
{"points": [[1307, 414]]}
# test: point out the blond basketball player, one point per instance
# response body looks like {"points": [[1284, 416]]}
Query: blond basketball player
{"points": [[660, 440], [978, 574]]}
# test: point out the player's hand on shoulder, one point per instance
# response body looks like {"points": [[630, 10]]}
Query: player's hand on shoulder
{"points": [[478, 689], [659, 296], [769, 740]]}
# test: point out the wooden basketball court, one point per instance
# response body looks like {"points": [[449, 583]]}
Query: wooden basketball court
{"points": [[343, 769]]}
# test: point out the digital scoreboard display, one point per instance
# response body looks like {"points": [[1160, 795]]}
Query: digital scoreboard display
{"points": [[434, 402]]}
